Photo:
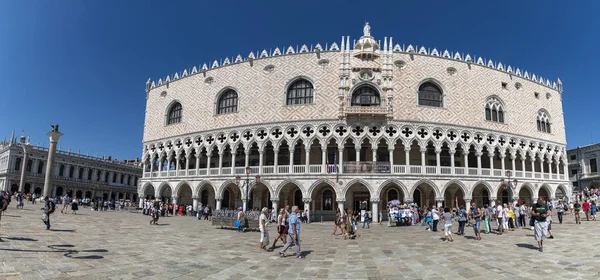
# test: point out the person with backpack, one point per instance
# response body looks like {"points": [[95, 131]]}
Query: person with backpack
{"points": [[367, 219], [49, 207], [462, 219]]}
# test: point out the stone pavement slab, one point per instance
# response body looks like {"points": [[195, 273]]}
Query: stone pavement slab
{"points": [[122, 245]]}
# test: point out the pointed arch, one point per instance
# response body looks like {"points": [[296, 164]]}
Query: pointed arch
{"points": [[286, 182], [224, 186], [161, 188], [391, 181], [359, 181], [263, 182], [173, 112], [487, 185], [184, 182], [458, 183], [427, 182], [322, 181]]}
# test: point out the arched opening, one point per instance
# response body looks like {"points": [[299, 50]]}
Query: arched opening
{"points": [[389, 193], [149, 192], [365, 95], [505, 193], [79, 194], [323, 202], [358, 198], [453, 196], [480, 195], [206, 194], [166, 194], [59, 191], [88, 194], [525, 196], [38, 191], [544, 193], [105, 196], [27, 188], [288, 194], [232, 197], [560, 193], [424, 195], [70, 193], [260, 196], [185, 195]]}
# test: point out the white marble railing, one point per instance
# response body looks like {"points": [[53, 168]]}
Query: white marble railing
{"points": [[355, 168]]}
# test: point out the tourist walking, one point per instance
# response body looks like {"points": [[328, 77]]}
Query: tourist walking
{"points": [[488, 213], [586, 209], [240, 219], [447, 217], [560, 211], [476, 215], [3, 205], [74, 206], [49, 207], [577, 210], [539, 211], [522, 215], [593, 210], [435, 216], [462, 219], [499, 217], [281, 228], [294, 233], [65, 203], [262, 225]]}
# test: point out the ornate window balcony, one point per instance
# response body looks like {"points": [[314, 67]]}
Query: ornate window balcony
{"points": [[366, 111]]}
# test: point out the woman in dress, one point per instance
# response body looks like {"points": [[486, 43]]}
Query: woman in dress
{"points": [[74, 206], [281, 229], [593, 210], [262, 225]]}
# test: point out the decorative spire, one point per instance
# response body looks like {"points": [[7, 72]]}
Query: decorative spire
{"points": [[12, 137]]}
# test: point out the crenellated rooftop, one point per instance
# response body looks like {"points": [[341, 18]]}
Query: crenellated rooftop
{"points": [[388, 48]]}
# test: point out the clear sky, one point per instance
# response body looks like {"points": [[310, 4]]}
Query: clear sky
{"points": [[83, 64]]}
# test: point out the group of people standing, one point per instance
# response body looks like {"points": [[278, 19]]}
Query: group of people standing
{"points": [[288, 229]]}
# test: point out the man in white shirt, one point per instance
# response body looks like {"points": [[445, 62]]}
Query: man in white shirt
{"points": [[500, 217]]}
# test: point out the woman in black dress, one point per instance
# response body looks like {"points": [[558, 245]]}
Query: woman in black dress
{"points": [[74, 206]]}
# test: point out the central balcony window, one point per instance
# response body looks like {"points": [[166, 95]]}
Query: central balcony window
{"points": [[365, 96]]}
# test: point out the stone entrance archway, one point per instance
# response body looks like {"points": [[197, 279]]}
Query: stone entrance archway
{"points": [[389, 193], [184, 197], [358, 198], [231, 197], [424, 195], [260, 197], [561, 193], [79, 194], [206, 196], [454, 195], [149, 192], [59, 191], [544, 194], [38, 190], [27, 188], [290, 195], [525, 196], [323, 203], [480, 195], [166, 194], [505, 194]]}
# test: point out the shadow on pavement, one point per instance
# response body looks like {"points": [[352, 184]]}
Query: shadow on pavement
{"points": [[529, 246], [470, 237], [162, 225], [63, 230], [20, 239]]}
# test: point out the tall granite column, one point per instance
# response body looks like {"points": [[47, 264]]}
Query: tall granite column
{"points": [[54, 136], [26, 149]]}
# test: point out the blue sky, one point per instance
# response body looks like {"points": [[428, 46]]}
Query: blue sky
{"points": [[84, 64]]}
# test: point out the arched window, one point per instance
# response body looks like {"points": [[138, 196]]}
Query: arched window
{"points": [[300, 92], [89, 174], [430, 95], [71, 171], [18, 164], [106, 176], [228, 102], [494, 110], [29, 165], [61, 170], [327, 200], [80, 175], [365, 96], [174, 115], [543, 122], [40, 167]]}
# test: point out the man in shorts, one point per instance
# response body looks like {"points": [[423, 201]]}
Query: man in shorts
{"points": [[476, 215], [540, 211]]}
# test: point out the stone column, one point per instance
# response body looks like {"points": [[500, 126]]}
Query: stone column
{"points": [[307, 157], [375, 210], [423, 150], [275, 202], [218, 204], [466, 159], [291, 160], [198, 155], [514, 168], [260, 161], [26, 149], [324, 159], [340, 160], [437, 161], [341, 205], [233, 162], [244, 205], [491, 156], [478, 154], [407, 159], [550, 167], [187, 161], [276, 161], [523, 165], [307, 207], [220, 162], [54, 136], [502, 164], [452, 152], [247, 159], [357, 152], [141, 203], [391, 156], [195, 203], [208, 156], [533, 165], [174, 199]]}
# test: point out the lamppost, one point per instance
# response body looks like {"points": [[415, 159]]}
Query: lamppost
{"points": [[247, 183], [513, 183]]}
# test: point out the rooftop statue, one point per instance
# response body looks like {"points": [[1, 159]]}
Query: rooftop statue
{"points": [[54, 127], [367, 29]]}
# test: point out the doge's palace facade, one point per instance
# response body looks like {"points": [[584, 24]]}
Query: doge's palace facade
{"points": [[354, 124]]}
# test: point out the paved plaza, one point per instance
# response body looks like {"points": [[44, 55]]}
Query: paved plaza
{"points": [[122, 245]]}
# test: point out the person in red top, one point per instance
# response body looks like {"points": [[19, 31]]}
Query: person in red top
{"points": [[586, 209]]}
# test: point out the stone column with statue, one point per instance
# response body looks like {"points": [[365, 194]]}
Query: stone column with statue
{"points": [[54, 136]]}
